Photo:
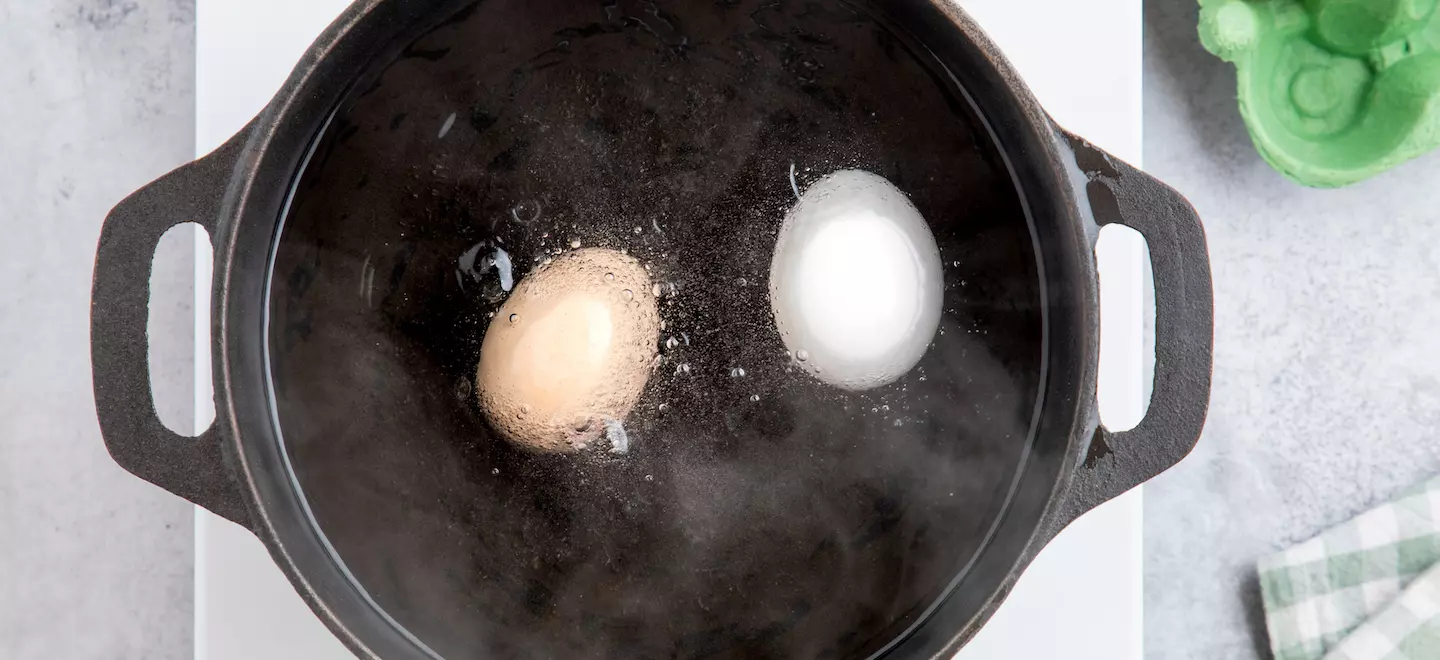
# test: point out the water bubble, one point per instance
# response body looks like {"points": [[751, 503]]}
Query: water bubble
{"points": [[663, 407], [672, 343], [504, 268], [463, 389], [575, 243], [898, 423], [885, 408], [627, 294], [495, 471], [609, 277], [649, 477], [874, 410], [514, 318], [955, 263], [742, 281], [737, 372], [803, 355], [683, 369], [619, 439], [754, 398], [638, 230], [526, 212], [789, 355]]}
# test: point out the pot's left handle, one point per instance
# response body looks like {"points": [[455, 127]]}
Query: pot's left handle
{"points": [[193, 468], [1184, 331]]}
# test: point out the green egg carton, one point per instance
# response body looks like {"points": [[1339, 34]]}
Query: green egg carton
{"points": [[1333, 91]]}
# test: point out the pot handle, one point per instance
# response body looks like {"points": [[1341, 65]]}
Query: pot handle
{"points": [[1184, 330], [193, 468]]}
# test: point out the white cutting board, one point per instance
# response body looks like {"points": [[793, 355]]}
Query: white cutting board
{"points": [[1081, 600]]}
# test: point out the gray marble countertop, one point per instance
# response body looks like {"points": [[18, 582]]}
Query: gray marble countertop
{"points": [[1327, 386], [98, 99]]}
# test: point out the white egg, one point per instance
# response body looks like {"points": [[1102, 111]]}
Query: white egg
{"points": [[856, 284]]}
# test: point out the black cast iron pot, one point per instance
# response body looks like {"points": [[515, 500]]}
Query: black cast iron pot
{"points": [[768, 516]]}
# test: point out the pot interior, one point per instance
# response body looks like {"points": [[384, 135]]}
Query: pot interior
{"points": [[767, 515]]}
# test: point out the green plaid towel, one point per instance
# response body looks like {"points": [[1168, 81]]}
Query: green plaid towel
{"points": [[1318, 593], [1409, 629]]}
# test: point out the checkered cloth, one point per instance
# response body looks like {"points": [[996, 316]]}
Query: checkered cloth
{"points": [[1341, 593], [1409, 629]]}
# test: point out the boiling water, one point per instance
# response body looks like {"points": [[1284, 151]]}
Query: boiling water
{"points": [[755, 512]]}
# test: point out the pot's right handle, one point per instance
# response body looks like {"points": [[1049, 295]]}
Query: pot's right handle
{"points": [[193, 468], [1184, 331]]}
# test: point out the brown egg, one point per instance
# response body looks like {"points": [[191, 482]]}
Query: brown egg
{"points": [[571, 349]]}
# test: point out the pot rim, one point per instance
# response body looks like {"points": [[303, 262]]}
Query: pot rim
{"points": [[302, 552]]}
